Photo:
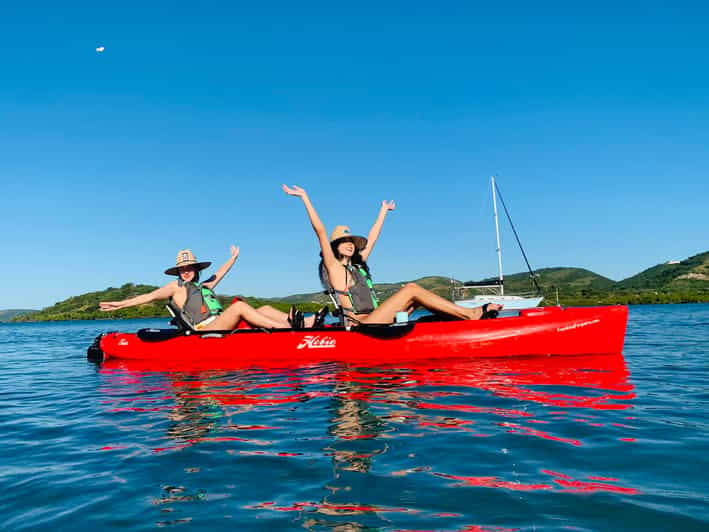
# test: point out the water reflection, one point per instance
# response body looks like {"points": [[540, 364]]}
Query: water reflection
{"points": [[380, 428]]}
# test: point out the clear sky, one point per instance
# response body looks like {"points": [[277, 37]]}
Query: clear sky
{"points": [[595, 120]]}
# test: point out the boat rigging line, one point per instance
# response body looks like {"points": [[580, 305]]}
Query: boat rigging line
{"points": [[514, 230]]}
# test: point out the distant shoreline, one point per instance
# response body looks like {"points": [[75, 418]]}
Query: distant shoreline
{"points": [[168, 317], [676, 282]]}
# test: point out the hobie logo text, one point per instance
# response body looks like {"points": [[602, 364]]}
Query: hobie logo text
{"points": [[317, 342]]}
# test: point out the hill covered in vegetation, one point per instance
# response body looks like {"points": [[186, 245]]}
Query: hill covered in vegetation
{"points": [[9, 314], [674, 282], [681, 282], [568, 280], [86, 306], [692, 273], [684, 281]]}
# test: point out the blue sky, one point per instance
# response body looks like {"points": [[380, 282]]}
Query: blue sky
{"points": [[595, 120]]}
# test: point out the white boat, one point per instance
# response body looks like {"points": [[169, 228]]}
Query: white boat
{"points": [[494, 290], [509, 302]]}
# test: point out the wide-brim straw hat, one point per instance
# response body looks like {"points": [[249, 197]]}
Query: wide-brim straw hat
{"points": [[186, 258], [342, 232]]}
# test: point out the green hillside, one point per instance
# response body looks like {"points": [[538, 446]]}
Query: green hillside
{"points": [[689, 273], [7, 315], [86, 306], [685, 282], [567, 280], [682, 282]]}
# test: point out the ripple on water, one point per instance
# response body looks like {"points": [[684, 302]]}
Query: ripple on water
{"points": [[588, 443]]}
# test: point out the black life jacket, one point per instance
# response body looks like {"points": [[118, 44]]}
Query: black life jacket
{"points": [[201, 303], [361, 295]]}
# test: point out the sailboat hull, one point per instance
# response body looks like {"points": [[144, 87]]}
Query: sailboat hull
{"points": [[508, 302]]}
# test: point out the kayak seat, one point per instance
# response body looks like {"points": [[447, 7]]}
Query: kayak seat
{"points": [[436, 317], [385, 331], [178, 318], [329, 291], [337, 311], [158, 335]]}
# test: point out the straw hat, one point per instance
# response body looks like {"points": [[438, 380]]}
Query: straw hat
{"points": [[342, 232], [186, 258]]}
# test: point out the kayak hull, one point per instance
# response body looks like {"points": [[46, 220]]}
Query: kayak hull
{"points": [[539, 331]]}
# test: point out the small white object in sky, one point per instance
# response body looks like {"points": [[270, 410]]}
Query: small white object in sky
{"points": [[100, 49]]}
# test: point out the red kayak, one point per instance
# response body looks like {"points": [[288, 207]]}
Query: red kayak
{"points": [[538, 331]]}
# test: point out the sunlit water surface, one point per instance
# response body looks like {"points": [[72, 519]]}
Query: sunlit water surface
{"points": [[553, 443]]}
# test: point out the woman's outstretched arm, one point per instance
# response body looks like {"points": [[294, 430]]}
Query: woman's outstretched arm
{"points": [[164, 292], [376, 229], [221, 272], [318, 226]]}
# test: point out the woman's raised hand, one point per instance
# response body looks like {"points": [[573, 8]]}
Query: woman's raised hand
{"points": [[234, 252], [388, 205], [294, 191], [107, 306]]}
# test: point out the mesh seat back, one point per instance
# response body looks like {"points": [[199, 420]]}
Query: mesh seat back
{"points": [[178, 318]]}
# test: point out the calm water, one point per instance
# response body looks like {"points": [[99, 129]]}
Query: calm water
{"points": [[581, 443]]}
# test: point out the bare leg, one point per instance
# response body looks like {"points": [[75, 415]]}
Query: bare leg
{"points": [[413, 295], [282, 317], [274, 314], [243, 311]]}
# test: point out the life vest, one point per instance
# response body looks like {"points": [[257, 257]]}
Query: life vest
{"points": [[361, 295], [201, 303]]}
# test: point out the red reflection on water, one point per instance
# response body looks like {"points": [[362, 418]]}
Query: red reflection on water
{"points": [[573, 485], [494, 482], [448, 423], [469, 528], [202, 402], [568, 483], [517, 428], [598, 382], [580, 485], [517, 378], [476, 528], [340, 509]]}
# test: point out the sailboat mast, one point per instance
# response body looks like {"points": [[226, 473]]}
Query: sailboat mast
{"points": [[497, 235]]}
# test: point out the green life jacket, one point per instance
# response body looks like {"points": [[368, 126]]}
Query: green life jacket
{"points": [[201, 303], [361, 295]]}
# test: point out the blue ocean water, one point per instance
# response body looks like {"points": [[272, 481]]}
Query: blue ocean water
{"points": [[552, 443]]}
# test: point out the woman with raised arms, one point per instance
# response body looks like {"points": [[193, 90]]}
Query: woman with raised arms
{"points": [[199, 304], [344, 268]]}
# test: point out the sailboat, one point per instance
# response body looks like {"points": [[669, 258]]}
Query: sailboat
{"points": [[494, 289]]}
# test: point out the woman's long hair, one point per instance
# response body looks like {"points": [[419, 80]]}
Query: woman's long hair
{"points": [[356, 260]]}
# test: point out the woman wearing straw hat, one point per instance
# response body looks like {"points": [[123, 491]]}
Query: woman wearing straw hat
{"points": [[198, 303], [344, 268]]}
